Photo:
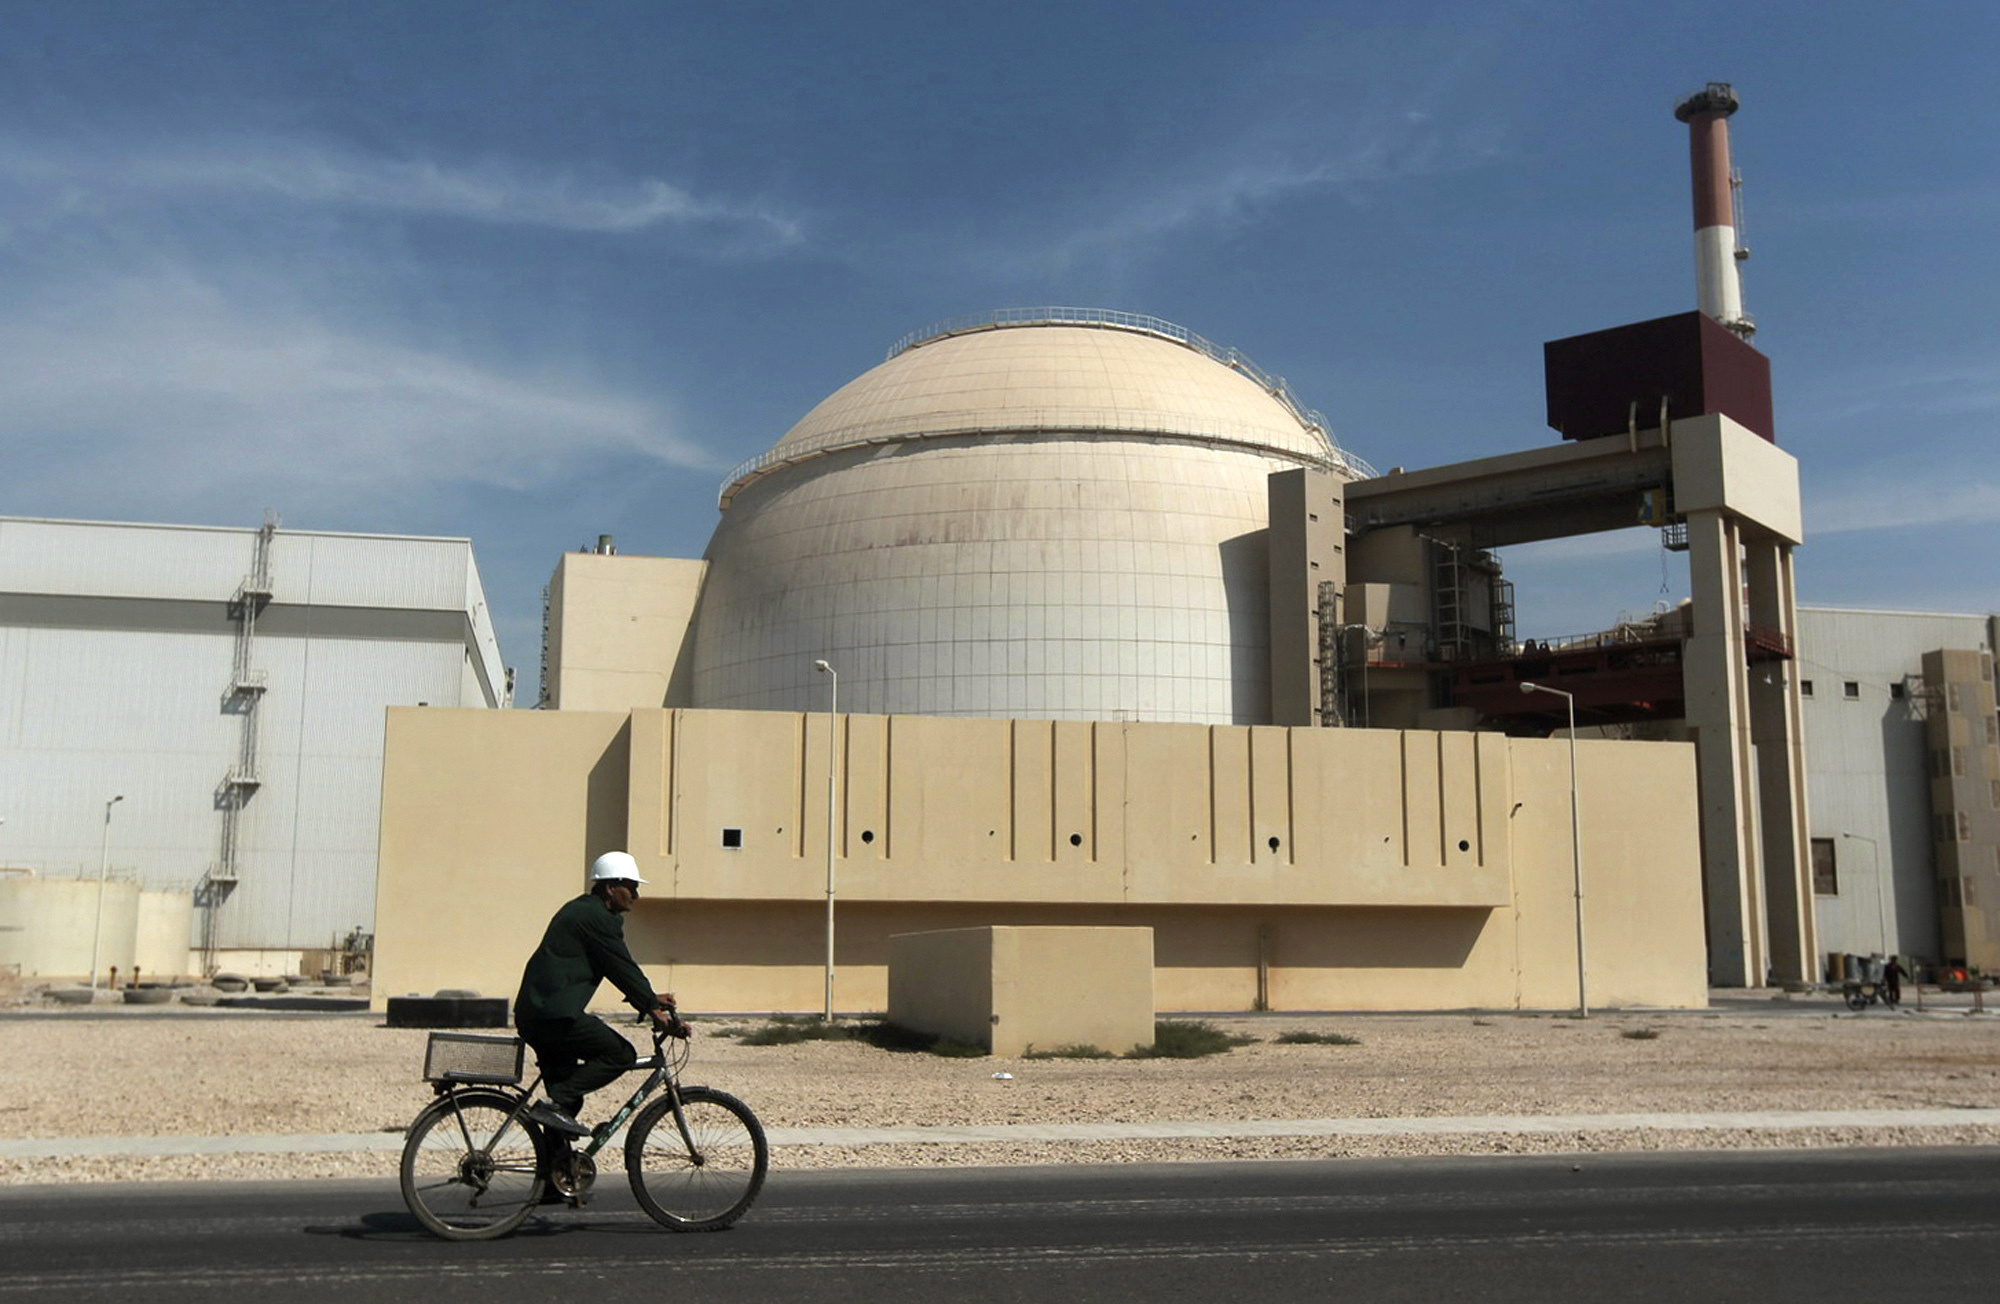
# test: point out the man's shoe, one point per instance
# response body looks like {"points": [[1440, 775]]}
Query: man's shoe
{"points": [[552, 1116]]}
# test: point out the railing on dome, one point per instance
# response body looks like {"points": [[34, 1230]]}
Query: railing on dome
{"points": [[1234, 359], [1340, 458]]}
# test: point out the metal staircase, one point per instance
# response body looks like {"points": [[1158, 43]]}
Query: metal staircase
{"points": [[246, 693], [1449, 601]]}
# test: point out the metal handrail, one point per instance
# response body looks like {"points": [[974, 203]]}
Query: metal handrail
{"points": [[1337, 457], [1103, 421]]}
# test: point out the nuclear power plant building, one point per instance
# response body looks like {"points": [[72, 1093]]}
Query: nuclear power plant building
{"points": [[1074, 617]]}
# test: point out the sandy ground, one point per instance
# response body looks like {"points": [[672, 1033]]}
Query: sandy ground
{"points": [[226, 1073]]}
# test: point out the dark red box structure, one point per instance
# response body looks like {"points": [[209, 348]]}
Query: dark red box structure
{"points": [[1689, 359]]}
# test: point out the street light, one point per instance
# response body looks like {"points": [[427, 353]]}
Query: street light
{"points": [[832, 705], [1575, 840], [103, 860], [1881, 910]]}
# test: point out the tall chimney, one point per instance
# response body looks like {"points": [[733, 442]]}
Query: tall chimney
{"points": [[1719, 291]]}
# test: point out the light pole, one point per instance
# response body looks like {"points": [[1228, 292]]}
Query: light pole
{"points": [[1575, 842], [1881, 909], [103, 860], [832, 706]]}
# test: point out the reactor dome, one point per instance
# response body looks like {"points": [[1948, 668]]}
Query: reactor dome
{"points": [[1049, 513]]}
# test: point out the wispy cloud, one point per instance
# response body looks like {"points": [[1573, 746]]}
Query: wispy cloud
{"points": [[1326, 131], [1931, 393], [304, 171], [1238, 185], [1972, 202], [1896, 506], [164, 391]]}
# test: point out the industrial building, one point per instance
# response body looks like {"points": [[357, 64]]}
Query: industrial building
{"points": [[1064, 616], [1903, 764], [1060, 628], [195, 714]]}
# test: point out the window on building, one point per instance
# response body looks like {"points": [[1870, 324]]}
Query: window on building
{"points": [[1897, 692], [1805, 688], [1970, 900], [1948, 894], [1826, 882], [1851, 689]]}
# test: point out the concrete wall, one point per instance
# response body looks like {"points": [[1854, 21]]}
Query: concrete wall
{"points": [[618, 630], [1308, 548], [1013, 989], [1330, 868], [489, 826], [1964, 736]]}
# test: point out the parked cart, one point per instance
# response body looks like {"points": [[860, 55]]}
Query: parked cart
{"points": [[1860, 995]]}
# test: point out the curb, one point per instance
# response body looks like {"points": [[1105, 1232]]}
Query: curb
{"points": [[1002, 1133]]}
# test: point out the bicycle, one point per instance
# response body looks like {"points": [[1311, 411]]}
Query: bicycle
{"points": [[474, 1167]]}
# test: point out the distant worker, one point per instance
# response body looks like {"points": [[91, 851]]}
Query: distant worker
{"points": [[584, 944], [1893, 974]]}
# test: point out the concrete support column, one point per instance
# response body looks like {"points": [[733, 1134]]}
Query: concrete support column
{"points": [[1308, 548], [1781, 770], [1715, 673]]}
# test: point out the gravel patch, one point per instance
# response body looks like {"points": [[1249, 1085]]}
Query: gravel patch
{"points": [[209, 1073]]}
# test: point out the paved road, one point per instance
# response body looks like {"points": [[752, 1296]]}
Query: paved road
{"points": [[1907, 1224]]}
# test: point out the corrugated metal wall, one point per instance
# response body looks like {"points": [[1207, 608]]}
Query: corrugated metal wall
{"points": [[94, 702]]}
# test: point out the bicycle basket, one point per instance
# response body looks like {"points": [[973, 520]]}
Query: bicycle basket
{"points": [[466, 1057]]}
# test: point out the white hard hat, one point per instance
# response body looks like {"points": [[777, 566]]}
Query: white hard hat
{"points": [[617, 865]]}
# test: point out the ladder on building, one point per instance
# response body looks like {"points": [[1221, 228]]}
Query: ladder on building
{"points": [[542, 700], [246, 693], [1449, 599], [1503, 615], [1331, 673]]}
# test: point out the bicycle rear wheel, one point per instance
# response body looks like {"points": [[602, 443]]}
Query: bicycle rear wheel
{"points": [[707, 1179], [471, 1171]]}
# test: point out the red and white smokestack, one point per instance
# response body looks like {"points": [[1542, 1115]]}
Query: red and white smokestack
{"points": [[1719, 290]]}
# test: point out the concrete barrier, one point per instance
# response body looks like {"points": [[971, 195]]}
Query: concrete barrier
{"points": [[1012, 989]]}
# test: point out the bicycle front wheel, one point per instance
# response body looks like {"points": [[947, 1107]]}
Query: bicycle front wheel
{"points": [[471, 1170], [705, 1178]]}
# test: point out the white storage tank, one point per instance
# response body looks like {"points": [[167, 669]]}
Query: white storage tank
{"points": [[47, 924], [165, 920]]}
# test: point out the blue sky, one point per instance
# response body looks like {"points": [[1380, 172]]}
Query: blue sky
{"points": [[531, 273]]}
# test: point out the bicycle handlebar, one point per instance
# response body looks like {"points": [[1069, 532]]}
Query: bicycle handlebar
{"points": [[675, 1026]]}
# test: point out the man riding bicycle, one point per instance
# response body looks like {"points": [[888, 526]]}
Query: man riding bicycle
{"points": [[583, 945]]}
